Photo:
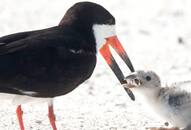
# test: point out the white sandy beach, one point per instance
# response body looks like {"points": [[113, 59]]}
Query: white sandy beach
{"points": [[156, 35]]}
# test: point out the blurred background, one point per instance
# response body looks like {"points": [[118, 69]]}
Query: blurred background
{"points": [[156, 35]]}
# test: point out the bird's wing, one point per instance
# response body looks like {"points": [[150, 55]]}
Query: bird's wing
{"points": [[40, 38], [13, 42], [181, 95], [14, 37], [177, 102], [21, 35], [42, 48], [6, 45], [176, 97]]}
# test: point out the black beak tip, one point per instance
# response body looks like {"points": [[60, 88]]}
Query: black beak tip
{"points": [[130, 93], [130, 65], [128, 62], [132, 68]]}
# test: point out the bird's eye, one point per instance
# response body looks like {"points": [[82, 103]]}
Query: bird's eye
{"points": [[148, 78]]}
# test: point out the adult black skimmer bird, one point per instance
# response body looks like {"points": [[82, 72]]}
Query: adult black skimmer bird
{"points": [[43, 64], [171, 102]]}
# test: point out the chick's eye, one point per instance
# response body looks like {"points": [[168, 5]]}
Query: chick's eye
{"points": [[148, 78]]}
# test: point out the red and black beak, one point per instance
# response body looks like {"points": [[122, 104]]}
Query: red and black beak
{"points": [[106, 53]]}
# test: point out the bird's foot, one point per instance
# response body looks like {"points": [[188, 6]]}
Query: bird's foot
{"points": [[20, 117], [161, 128]]}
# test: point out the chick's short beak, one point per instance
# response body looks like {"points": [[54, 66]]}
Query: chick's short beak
{"points": [[132, 81]]}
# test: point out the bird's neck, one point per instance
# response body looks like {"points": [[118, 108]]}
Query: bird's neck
{"points": [[148, 95]]}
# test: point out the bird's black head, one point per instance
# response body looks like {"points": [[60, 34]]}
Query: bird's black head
{"points": [[87, 13], [92, 21]]}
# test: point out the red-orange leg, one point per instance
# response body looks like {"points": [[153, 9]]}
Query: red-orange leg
{"points": [[51, 117], [20, 117]]}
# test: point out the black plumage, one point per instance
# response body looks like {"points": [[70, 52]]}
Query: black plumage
{"points": [[46, 62], [52, 62]]}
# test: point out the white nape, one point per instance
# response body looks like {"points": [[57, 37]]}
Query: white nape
{"points": [[101, 32]]}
